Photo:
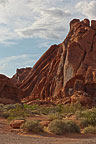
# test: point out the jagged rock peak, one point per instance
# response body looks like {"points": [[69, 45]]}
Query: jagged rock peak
{"points": [[83, 22]]}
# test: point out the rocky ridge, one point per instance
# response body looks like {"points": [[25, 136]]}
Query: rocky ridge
{"points": [[66, 69], [66, 73]]}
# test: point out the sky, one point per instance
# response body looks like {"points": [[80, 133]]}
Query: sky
{"points": [[29, 27]]}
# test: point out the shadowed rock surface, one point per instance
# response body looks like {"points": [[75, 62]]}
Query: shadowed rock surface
{"points": [[9, 93]]}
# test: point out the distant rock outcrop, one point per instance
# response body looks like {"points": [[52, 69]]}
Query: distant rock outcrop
{"points": [[20, 75], [9, 93]]}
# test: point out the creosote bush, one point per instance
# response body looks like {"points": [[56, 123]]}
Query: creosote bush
{"points": [[32, 126], [60, 127]]}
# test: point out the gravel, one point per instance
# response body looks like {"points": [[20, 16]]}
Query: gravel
{"points": [[19, 139]]}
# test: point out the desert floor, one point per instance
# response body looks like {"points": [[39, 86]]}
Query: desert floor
{"points": [[9, 136]]}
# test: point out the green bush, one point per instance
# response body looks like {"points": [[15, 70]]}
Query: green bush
{"points": [[72, 108], [69, 114], [90, 129], [54, 109], [31, 107], [32, 126], [53, 116], [14, 111], [15, 118], [5, 114], [72, 127], [90, 115], [78, 114], [83, 122], [59, 127], [9, 106]]}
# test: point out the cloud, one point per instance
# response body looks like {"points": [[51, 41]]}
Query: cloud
{"points": [[3, 2], [9, 64], [87, 8], [2, 67], [30, 18], [50, 25], [45, 19]]}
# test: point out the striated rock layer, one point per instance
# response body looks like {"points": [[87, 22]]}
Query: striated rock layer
{"points": [[20, 75], [68, 70], [9, 93]]}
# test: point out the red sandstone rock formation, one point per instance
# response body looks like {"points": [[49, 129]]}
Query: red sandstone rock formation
{"points": [[21, 74], [16, 123], [66, 68], [9, 93]]}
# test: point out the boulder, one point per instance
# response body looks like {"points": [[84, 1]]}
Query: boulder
{"points": [[45, 123], [16, 123], [82, 98]]}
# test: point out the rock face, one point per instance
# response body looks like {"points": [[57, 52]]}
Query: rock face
{"points": [[66, 68], [21, 74], [9, 93]]}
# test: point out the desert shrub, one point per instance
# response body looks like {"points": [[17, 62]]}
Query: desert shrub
{"points": [[9, 118], [83, 122], [59, 127], [48, 110], [72, 108], [72, 127], [17, 112], [9, 106], [53, 116], [44, 110], [69, 114], [5, 114], [90, 115], [90, 129], [54, 109], [12, 112], [31, 107], [78, 114], [32, 126], [92, 119]]}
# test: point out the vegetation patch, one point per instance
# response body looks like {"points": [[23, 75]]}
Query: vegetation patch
{"points": [[32, 126], [60, 127], [90, 129], [53, 116]]}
